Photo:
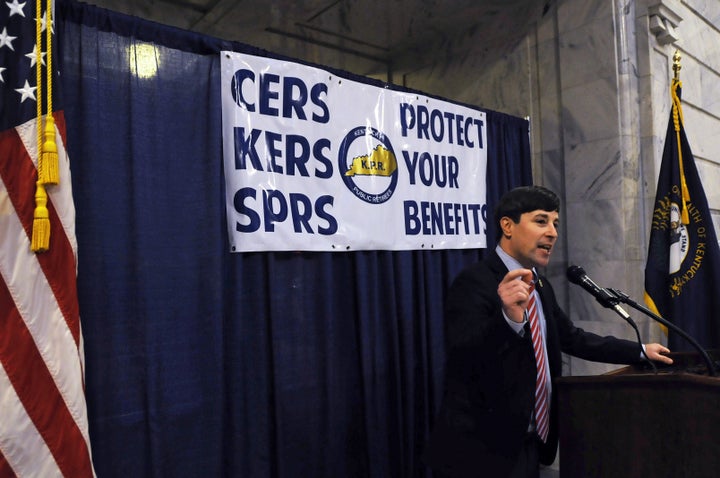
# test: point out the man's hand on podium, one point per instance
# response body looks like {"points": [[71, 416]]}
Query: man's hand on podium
{"points": [[658, 353]]}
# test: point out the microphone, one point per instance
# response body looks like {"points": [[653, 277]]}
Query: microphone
{"points": [[610, 299], [577, 275]]}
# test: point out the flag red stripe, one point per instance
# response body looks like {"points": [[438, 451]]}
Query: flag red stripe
{"points": [[59, 267], [25, 367], [5, 470], [38, 393], [19, 176]]}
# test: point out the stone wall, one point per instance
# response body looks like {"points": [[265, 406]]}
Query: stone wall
{"points": [[593, 76]]}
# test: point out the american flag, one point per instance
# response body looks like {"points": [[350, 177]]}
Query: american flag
{"points": [[43, 414]]}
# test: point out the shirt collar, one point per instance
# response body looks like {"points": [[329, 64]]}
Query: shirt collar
{"points": [[510, 262]]}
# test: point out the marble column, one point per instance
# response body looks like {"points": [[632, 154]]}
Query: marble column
{"points": [[605, 210]]}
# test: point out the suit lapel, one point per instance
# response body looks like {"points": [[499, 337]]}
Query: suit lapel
{"points": [[497, 266]]}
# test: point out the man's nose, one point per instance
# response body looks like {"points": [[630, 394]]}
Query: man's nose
{"points": [[552, 230]]}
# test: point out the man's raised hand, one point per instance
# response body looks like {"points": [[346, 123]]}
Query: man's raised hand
{"points": [[514, 293]]}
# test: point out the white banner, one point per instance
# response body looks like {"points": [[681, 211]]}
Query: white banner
{"points": [[317, 162]]}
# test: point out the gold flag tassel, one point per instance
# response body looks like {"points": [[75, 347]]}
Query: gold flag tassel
{"points": [[40, 241], [678, 121], [49, 158], [41, 221]]}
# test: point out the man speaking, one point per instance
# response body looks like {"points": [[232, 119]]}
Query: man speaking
{"points": [[505, 334]]}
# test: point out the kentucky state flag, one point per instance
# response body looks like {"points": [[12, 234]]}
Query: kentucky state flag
{"points": [[682, 275]]}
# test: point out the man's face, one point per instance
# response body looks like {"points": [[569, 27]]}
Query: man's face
{"points": [[531, 240]]}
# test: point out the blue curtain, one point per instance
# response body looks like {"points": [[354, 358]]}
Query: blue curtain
{"points": [[205, 363]]}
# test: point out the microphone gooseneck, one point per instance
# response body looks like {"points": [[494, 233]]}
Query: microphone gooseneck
{"points": [[610, 298], [577, 275]]}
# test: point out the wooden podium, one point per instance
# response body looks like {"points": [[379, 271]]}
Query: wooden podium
{"points": [[635, 423]]}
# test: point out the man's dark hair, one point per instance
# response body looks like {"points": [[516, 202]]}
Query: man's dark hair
{"points": [[518, 201]]}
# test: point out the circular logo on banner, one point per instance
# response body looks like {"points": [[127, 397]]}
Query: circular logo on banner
{"points": [[367, 165]]}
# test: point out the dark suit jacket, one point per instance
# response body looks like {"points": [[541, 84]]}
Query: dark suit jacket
{"points": [[490, 375]]}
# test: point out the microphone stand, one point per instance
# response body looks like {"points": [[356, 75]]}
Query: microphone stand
{"points": [[622, 297], [611, 302]]}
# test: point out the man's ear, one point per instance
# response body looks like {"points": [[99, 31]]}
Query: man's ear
{"points": [[506, 225]]}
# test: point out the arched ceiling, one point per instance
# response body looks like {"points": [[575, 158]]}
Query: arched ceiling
{"points": [[369, 37]]}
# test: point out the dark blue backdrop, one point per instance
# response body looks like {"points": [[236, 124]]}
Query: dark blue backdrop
{"points": [[206, 363]]}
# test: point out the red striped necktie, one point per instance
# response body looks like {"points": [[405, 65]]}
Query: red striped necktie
{"points": [[542, 421]]}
